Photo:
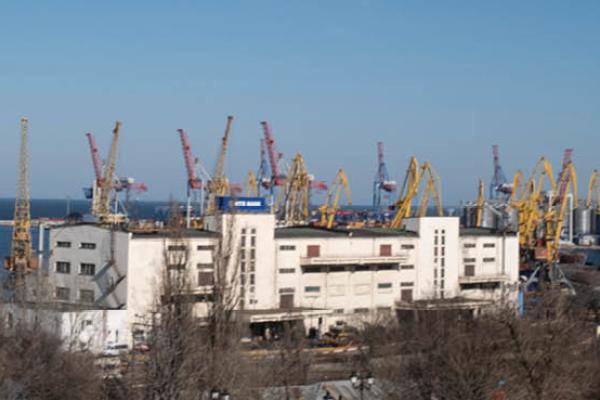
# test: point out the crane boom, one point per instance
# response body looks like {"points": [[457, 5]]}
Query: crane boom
{"points": [[480, 203], [332, 199], [219, 185], [97, 163], [220, 167], [273, 159], [593, 188], [109, 172], [193, 180]]}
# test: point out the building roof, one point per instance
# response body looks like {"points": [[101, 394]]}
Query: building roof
{"points": [[485, 232], [317, 232]]}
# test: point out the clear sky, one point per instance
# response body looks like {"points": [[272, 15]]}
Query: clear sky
{"points": [[442, 80]]}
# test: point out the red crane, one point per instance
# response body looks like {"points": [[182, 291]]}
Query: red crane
{"points": [[95, 158], [276, 177], [193, 181]]}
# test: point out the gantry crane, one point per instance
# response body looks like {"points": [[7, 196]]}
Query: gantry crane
{"points": [[103, 211], [20, 262], [277, 179], [382, 184], [329, 209], [195, 184], [291, 207], [219, 185], [480, 204]]}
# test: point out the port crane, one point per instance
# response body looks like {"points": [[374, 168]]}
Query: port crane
{"points": [[277, 179], [263, 175], [480, 204], [103, 211], [432, 187], [383, 186], [329, 209], [593, 191], [219, 185], [499, 187], [291, 207], [252, 187]]}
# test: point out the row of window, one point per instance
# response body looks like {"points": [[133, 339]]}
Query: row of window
{"points": [[82, 245], [384, 249], [183, 247], [64, 294], [64, 267], [484, 259], [312, 269], [473, 245], [359, 288]]}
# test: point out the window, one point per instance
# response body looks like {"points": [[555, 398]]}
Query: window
{"points": [[204, 266], [406, 295], [287, 270], [468, 260], [205, 247], [63, 267], [252, 279], [311, 269], [336, 268], [175, 247], [407, 267], [489, 259], [87, 246], [205, 278], [480, 286], [385, 285], [361, 310], [313, 250], [407, 246], [360, 268], [338, 311], [488, 245], [469, 245], [253, 231], [287, 247], [469, 270], [407, 284], [312, 289], [63, 244], [252, 254], [86, 296], [176, 266], [286, 290], [63, 293], [87, 269], [386, 267], [252, 241], [385, 250]]}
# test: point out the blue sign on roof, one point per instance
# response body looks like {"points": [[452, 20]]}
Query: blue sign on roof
{"points": [[242, 204]]}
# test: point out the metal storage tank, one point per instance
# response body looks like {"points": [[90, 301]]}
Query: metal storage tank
{"points": [[583, 221], [488, 218], [469, 215]]}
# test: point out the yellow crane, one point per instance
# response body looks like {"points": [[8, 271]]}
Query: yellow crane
{"points": [[593, 192], [432, 186], [291, 207], [218, 185], [480, 203], [517, 195], [103, 206], [251, 185], [330, 207]]}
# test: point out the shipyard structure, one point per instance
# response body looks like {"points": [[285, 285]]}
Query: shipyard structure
{"points": [[315, 276]]}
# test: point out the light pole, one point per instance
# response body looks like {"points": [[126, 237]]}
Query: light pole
{"points": [[362, 383], [216, 394]]}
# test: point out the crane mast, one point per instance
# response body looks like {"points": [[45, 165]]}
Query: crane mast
{"points": [[219, 185], [20, 261], [276, 178], [480, 203], [332, 199], [264, 180], [193, 181], [498, 183], [382, 183], [109, 172]]}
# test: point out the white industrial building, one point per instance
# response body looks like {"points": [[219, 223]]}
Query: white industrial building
{"points": [[304, 273]]}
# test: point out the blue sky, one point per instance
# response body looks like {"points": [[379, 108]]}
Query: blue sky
{"points": [[439, 80]]}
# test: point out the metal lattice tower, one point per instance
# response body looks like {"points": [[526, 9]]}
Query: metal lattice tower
{"points": [[383, 187], [20, 260], [498, 179]]}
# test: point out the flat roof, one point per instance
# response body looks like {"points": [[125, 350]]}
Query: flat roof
{"points": [[485, 232], [318, 232]]}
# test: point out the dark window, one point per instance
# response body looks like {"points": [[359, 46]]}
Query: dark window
{"points": [[205, 247], [86, 296], [205, 278], [63, 293], [480, 286], [359, 268], [385, 250], [313, 250], [252, 241], [311, 269], [287, 247], [386, 267], [287, 270], [204, 266], [406, 295], [489, 245], [88, 246], [469, 245], [361, 310], [469, 270], [489, 259], [63, 244], [176, 247], [252, 254], [467, 260], [312, 289], [287, 290], [336, 268], [63, 267], [407, 246], [286, 301], [407, 284], [252, 279], [407, 267], [386, 285], [176, 267], [87, 269]]}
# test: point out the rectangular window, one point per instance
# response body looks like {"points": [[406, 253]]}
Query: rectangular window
{"points": [[336, 268], [63, 244], [469, 270], [312, 269], [338, 311], [489, 259], [443, 239], [63, 293], [87, 269], [252, 241], [313, 250], [243, 241], [468, 260], [204, 266], [385, 250], [443, 251], [253, 231], [361, 310], [435, 251], [407, 246], [205, 278], [406, 295], [205, 247], [407, 284], [174, 247], [385, 285], [287, 247], [312, 289], [87, 246], [253, 254], [286, 290], [86, 296], [252, 279], [359, 268], [386, 267], [287, 270], [407, 266], [488, 245], [63, 267], [443, 262], [469, 245]]}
